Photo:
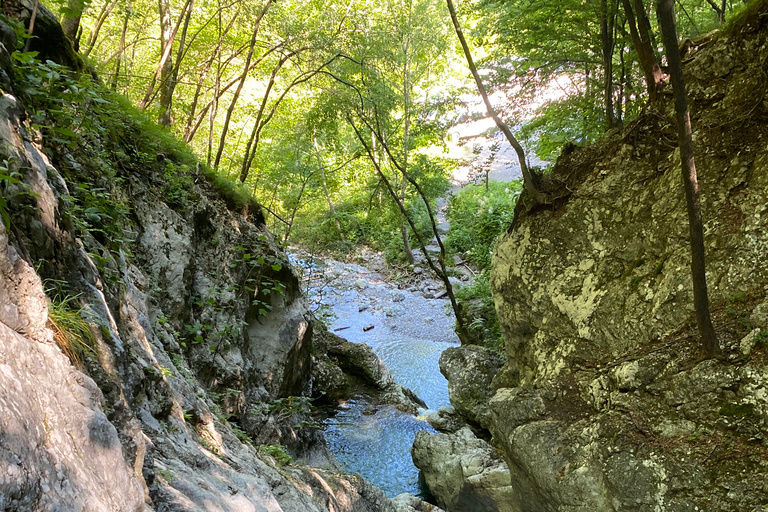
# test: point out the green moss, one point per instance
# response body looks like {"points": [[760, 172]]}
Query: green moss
{"points": [[737, 410]]}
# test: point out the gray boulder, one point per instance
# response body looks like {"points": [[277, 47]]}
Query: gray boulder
{"points": [[409, 503], [343, 368], [464, 473], [470, 370]]}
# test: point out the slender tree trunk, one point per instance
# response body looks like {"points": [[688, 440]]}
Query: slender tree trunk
{"points": [[106, 10], [607, 20], [406, 143], [642, 43], [239, 89], [666, 13], [719, 10], [528, 180], [253, 140], [165, 65], [622, 80], [331, 206], [439, 268], [168, 86], [31, 28], [121, 49], [166, 41], [203, 74], [263, 118]]}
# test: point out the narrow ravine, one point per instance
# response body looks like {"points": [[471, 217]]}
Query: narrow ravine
{"points": [[408, 331]]}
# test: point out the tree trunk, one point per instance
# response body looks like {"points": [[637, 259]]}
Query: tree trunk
{"points": [[165, 65], [642, 43], [203, 74], [70, 21], [666, 13], [406, 142], [166, 40], [607, 20], [239, 89], [168, 86], [528, 181], [439, 268], [106, 10], [121, 48], [331, 206]]}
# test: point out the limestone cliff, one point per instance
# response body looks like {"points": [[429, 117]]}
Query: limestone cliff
{"points": [[606, 403], [189, 340]]}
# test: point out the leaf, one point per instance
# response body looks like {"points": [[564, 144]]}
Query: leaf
{"points": [[276, 267], [64, 131]]}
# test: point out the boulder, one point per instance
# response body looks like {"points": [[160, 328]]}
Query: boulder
{"points": [[464, 473], [446, 420], [409, 503], [361, 370], [470, 370]]}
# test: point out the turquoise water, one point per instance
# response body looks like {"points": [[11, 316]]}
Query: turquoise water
{"points": [[409, 333]]}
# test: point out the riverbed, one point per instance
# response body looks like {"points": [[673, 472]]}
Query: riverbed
{"points": [[408, 330]]}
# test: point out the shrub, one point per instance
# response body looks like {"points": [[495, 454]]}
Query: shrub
{"points": [[478, 216]]}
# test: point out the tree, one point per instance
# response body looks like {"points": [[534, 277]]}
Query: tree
{"points": [[530, 185], [640, 30], [666, 14]]}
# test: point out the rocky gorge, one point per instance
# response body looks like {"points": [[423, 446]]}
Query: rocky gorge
{"points": [[158, 352], [605, 401]]}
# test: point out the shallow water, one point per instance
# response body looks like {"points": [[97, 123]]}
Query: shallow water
{"points": [[409, 333]]}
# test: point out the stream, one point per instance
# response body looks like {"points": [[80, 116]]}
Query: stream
{"points": [[408, 332]]}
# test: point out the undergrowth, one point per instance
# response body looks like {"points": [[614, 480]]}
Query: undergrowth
{"points": [[70, 330]]}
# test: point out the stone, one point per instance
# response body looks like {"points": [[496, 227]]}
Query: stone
{"points": [[749, 341], [140, 429], [409, 503], [446, 420], [339, 359], [759, 316], [418, 271], [361, 284], [464, 473], [470, 370]]}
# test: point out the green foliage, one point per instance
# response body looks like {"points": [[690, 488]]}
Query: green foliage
{"points": [[72, 333], [576, 119], [241, 434], [277, 452], [480, 313], [477, 219], [8, 177], [166, 474]]}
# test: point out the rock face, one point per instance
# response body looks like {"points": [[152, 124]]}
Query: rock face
{"points": [[470, 371], [464, 473], [190, 338], [339, 362], [58, 451], [605, 403]]}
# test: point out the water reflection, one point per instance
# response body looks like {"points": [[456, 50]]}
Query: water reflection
{"points": [[376, 443]]}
